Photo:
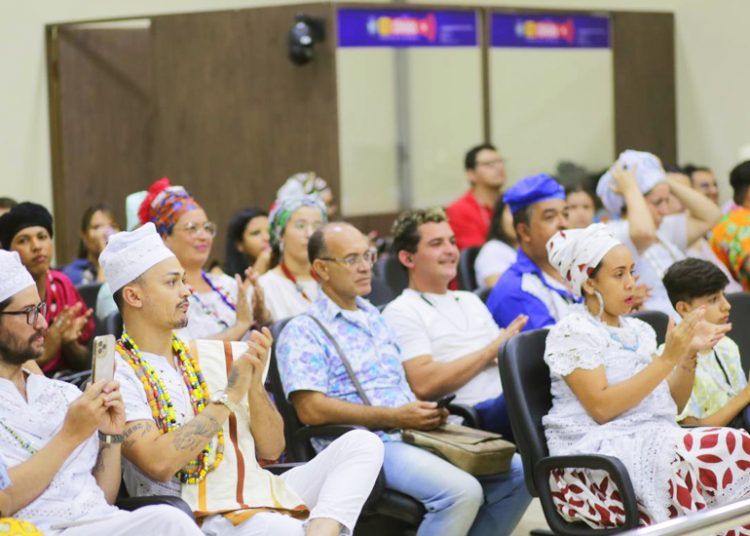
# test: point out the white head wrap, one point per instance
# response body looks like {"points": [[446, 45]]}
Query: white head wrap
{"points": [[131, 253], [15, 276], [648, 173], [299, 184], [575, 253], [132, 204]]}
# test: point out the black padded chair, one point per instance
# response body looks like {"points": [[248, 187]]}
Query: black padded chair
{"points": [[483, 293], [467, 276], [381, 293], [390, 270], [89, 293], [657, 320], [387, 511], [739, 316], [526, 384]]}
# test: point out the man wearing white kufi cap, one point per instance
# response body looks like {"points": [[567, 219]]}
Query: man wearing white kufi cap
{"points": [[66, 475], [197, 417]]}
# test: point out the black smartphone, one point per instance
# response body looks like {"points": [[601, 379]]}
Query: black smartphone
{"points": [[443, 402]]}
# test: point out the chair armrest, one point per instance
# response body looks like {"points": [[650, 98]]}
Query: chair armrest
{"points": [[614, 468], [133, 503], [281, 468], [467, 413], [302, 436]]}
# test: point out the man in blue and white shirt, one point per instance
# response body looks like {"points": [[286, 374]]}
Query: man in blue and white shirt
{"points": [[319, 387], [531, 286]]}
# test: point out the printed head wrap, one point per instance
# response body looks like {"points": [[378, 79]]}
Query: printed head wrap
{"points": [[648, 173], [576, 253], [164, 204], [299, 184], [283, 210]]}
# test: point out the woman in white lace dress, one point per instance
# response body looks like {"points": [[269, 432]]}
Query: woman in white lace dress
{"points": [[612, 395]]}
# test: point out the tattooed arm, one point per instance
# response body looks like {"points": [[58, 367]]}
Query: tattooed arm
{"points": [[107, 470], [159, 455]]}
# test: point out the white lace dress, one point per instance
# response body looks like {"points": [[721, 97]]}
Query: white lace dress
{"points": [[667, 464]]}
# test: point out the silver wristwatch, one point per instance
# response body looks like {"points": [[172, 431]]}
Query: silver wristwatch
{"points": [[220, 397]]}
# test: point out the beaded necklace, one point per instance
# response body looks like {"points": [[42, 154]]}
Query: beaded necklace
{"points": [[290, 276], [209, 310], [162, 407], [223, 295]]}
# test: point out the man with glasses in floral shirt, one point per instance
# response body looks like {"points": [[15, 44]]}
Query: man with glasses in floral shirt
{"points": [[316, 381]]}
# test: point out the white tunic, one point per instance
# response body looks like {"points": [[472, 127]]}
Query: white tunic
{"points": [[282, 297], [493, 259], [73, 494], [208, 313], [138, 409], [645, 437]]}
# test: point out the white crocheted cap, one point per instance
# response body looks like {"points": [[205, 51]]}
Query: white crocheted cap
{"points": [[15, 276], [131, 253]]}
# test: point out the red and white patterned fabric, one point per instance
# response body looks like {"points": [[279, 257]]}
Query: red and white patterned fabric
{"points": [[710, 468]]}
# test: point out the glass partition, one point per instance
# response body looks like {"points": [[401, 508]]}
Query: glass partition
{"points": [[409, 93], [551, 92]]}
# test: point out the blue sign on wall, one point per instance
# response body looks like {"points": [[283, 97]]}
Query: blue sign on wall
{"points": [[404, 28], [550, 31]]}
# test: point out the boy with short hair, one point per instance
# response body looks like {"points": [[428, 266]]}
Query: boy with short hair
{"points": [[720, 389]]}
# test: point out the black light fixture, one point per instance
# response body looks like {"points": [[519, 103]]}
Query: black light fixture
{"points": [[305, 32]]}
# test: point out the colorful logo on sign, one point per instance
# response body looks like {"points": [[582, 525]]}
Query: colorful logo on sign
{"points": [[546, 30], [403, 27], [575, 31], [406, 28]]}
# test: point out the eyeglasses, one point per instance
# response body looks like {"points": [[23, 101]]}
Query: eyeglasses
{"points": [[32, 312], [497, 162], [192, 228], [368, 257], [302, 225]]}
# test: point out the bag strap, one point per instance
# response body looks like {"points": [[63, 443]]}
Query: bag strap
{"points": [[344, 360]]}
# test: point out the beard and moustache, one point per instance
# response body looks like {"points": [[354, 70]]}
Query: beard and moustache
{"points": [[179, 324], [14, 352]]}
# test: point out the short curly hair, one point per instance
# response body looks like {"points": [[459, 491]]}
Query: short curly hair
{"points": [[405, 229]]}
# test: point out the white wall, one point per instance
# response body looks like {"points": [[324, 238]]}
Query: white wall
{"points": [[713, 111], [713, 107]]}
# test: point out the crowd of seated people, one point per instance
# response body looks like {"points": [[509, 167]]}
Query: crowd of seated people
{"points": [[188, 413]]}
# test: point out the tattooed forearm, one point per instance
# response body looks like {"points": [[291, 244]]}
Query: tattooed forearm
{"points": [[232, 381], [196, 433], [99, 465], [135, 432]]}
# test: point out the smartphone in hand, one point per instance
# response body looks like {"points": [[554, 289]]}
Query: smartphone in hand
{"points": [[103, 362], [443, 402]]}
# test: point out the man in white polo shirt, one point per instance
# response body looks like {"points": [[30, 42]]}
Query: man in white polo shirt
{"points": [[448, 339]]}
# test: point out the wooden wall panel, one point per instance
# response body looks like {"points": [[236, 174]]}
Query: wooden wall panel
{"points": [[236, 117], [103, 126], [644, 70]]}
